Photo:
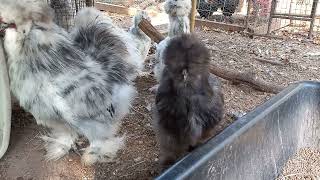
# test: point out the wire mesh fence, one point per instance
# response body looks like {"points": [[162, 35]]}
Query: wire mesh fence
{"points": [[221, 10], [65, 10], [156, 5], [296, 18], [289, 17], [154, 9]]}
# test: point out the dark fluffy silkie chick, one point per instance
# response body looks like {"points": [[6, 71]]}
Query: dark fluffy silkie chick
{"points": [[189, 102]]}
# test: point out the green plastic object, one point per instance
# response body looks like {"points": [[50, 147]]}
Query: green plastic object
{"points": [[5, 104]]}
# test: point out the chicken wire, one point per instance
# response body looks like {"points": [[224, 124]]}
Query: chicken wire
{"points": [[255, 14], [293, 18], [156, 5], [65, 10], [221, 10], [154, 9]]}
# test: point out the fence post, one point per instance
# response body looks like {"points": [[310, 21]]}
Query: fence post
{"points": [[193, 14], [249, 5], [273, 8], [313, 15]]}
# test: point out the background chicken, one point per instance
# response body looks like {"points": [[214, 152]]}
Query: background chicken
{"points": [[178, 11], [179, 23], [207, 7], [79, 84], [142, 40]]}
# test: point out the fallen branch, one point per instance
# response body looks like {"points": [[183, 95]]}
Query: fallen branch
{"points": [[268, 61], [245, 78], [150, 31]]}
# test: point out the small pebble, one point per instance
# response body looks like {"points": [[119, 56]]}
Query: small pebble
{"points": [[137, 159], [156, 159], [149, 107]]}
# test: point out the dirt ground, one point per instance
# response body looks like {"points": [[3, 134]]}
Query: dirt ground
{"points": [[303, 165], [138, 160]]}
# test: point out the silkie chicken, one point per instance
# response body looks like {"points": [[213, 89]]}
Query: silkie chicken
{"points": [[207, 7], [142, 40], [189, 101], [178, 12], [74, 84]]}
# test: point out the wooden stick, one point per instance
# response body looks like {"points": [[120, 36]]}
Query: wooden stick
{"points": [[193, 15], [268, 61], [112, 8], [245, 78], [150, 31]]}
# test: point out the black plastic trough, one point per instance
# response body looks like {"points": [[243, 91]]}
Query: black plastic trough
{"points": [[257, 145]]}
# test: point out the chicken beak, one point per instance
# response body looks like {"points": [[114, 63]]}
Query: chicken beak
{"points": [[185, 75], [3, 26]]}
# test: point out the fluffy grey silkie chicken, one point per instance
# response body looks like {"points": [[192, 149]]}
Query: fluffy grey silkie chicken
{"points": [[189, 101], [74, 84]]}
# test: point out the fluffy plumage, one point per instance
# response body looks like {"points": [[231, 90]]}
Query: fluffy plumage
{"points": [[95, 32], [178, 12], [207, 7], [73, 84], [189, 102], [142, 40], [158, 68]]}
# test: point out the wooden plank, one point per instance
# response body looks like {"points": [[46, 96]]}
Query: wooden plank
{"points": [[218, 25], [118, 9], [291, 17]]}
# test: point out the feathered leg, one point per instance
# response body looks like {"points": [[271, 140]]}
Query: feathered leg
{"points": [[59, 141]]}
